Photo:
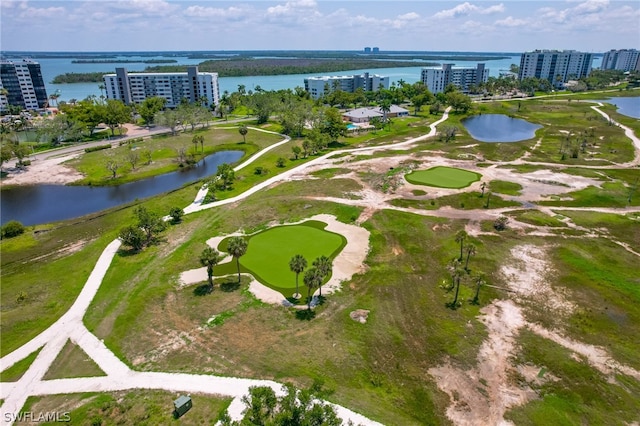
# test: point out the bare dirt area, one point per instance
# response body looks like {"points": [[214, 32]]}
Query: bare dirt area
{"points": [[482, 395], [48, 171]]}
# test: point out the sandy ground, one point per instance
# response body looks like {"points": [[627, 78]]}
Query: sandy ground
{"points": [[481, 395], [349, 262], [48, 171]]}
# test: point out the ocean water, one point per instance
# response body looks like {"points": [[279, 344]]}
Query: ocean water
{"points": [[52, 67]]}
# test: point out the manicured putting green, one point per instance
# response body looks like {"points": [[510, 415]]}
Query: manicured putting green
{"points": [[443, 177], [269, 252]]}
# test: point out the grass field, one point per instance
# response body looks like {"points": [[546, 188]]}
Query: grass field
{"points": [[269, 252], [443, 177], [139, 407], [381, 368]]}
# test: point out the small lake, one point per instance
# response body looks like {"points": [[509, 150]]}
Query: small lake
{"points": [[499, 128], [37, 204], [629, 106]]}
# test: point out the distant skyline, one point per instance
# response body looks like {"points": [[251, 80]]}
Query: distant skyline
{"points": [[157, 25]]}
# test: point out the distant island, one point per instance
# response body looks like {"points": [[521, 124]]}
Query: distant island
{"points": [[123, 61], [258, 67]]}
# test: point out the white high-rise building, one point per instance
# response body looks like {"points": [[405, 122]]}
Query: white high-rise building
{"points": [[622, 59], [437, 79], [192, 85], [555, 66], [317, 86]]}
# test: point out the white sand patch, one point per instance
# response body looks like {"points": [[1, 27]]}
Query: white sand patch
{"points": [[526, 274], [596, 356], [49, 171], [483, 394]]}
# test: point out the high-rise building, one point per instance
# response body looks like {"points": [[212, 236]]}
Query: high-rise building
{"points": [[555, 66], [22, 85], [622, 59], [174, 86], [318, 86], [437, 80]]}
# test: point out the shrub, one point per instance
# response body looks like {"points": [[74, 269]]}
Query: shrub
{"points": [[11, 229], [500, 223], [97, 148], [280, 162], [176, 214]]}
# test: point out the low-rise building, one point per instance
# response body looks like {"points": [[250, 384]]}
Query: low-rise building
{"points": [[22, 85], [319, 86], [192, 85], [362, 115], [437, 80], [621, 59]]}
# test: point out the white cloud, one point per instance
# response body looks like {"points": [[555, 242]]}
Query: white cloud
{"points": [[214, 12], [510, 21], [467, 8]]}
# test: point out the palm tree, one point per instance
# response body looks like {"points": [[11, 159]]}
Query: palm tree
{"points": [[312, 279], [456, 275], [243, 131], [480, 281], [297, 264], [210, 257], [385, 107], [471, 251], [324, 266], [460, 237], [237, 248], [483, 186]]}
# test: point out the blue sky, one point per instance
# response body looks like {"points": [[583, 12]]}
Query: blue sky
{"points": [[493, 26]]}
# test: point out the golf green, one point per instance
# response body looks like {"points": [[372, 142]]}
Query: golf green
{"points": [[269, 252], [443, 177]]}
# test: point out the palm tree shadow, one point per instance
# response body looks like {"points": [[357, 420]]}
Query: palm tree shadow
{"points": [[202, 290], [229, 286], [305, 314]]}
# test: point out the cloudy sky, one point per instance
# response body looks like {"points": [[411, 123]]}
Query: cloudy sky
{"points": [[492, 26]]}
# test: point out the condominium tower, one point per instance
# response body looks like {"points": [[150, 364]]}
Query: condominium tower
{"points": [[318, 86], [437, 80], [555, 66], [22, 85], [622, 59], [192, 85]]}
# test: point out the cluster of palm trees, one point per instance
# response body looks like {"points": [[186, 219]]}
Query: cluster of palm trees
{"points": [[459, 269], [210, 257], [314, 277]]}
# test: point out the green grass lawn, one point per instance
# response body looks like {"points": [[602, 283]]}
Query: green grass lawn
{"points": [[138, 407], [269, 252], [443, 177]]}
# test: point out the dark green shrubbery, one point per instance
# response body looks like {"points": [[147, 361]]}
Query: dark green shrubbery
{"points": [[97, 148], [11, 229]]}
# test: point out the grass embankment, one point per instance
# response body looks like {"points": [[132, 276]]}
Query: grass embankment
{"points": [[269, 252], [43, 270], [443, 177], [465, 201], [163, 150], [139, 407]]}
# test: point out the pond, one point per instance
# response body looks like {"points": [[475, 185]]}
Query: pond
{"points": [[629, 106], [499, 128], [33, 205]]}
